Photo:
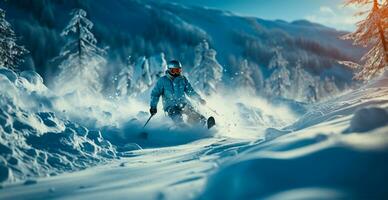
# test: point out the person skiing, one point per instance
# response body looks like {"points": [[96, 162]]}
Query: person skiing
{"points": [[174, 87]]}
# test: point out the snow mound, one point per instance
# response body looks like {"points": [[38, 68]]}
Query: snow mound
{"points": [[40, 144], [312, 158], [344, 105], [271, 175], [35, 142], [272, 133], [367, 119], [32, 81], [9, 74]]}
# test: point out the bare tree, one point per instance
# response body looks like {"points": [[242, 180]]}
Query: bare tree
{"points": [[371, 32]]}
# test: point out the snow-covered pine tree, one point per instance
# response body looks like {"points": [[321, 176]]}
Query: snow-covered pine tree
{"points": [[124, 80], [371, 32], [199, 52], [207, 72], [157, 66], [244, 77], [81, 60], [277, 60], [311, 93], [278, 84], [141, 76], [301, 80], [329, 86], [11, 54], [257, 76]]}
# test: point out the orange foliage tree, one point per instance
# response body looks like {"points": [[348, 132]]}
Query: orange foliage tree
{"points": [[371, 32]]}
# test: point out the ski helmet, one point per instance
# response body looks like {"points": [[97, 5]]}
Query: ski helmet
{"points": [[174, 68], [174, 64]]}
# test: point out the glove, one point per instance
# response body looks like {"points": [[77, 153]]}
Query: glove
{"points": [[153, 111], [202, 101]]}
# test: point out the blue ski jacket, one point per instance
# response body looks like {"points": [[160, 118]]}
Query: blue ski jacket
{"points": [[173, 91]]}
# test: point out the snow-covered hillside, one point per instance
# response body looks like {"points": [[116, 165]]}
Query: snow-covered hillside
{"points": [[147, 28], [337, 150]]}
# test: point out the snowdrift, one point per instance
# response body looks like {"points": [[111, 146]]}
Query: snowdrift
{"points": [[348, 173], [40, 143], [338, 150]]}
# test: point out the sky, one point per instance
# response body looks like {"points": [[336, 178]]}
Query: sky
{"points": [[331, 13]]}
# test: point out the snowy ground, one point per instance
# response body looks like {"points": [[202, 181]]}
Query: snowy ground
{"points": [[337, 150], [172, 173]]}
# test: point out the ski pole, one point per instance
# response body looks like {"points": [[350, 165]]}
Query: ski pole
{"points": [[148, 120], [212, 110]]}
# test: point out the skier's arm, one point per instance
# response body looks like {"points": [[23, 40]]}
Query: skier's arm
{"points": [[155, 94], [191, 92]]}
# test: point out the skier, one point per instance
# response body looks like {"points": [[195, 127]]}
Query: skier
{"points": [[173, 87]]}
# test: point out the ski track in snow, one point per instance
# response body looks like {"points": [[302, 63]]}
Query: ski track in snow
{"points": [[315, 157]]}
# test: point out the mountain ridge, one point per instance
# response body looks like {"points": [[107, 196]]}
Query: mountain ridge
{"points": [[145, 28]]}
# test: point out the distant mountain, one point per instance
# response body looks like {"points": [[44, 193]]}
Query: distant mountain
{"points": [[145, 28]]}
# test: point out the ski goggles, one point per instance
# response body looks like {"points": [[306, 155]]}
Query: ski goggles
{"points": [[175, 70]]}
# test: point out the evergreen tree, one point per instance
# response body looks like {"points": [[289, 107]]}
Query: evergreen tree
{"points": [[301, 81], [124, 80], [81, 60], [371, 32], [278, 84], [141, 75], [207, 72], [257, 76], [147, 71], [157, 66], [311, 94], [11, 54], [277, 60], [329, 86], [244, 77]]}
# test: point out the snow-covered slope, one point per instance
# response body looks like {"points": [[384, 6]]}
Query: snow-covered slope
{"points": [[337, 150], [44, 133], [79, 145], [35, 141]]}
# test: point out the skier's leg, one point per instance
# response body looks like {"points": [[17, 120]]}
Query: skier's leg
{"points": [[193, 116], [175, 114]]}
